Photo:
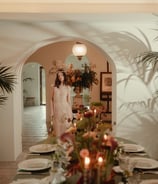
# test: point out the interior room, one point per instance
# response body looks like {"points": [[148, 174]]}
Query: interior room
{"points": [[37, 38]]}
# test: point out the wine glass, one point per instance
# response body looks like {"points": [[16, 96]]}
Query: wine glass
{"points": [[127, 167]]}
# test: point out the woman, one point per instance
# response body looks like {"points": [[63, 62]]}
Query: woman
{"points": [[61, 104]]}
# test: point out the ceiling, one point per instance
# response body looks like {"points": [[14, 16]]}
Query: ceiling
{"points": [[24, 24]]}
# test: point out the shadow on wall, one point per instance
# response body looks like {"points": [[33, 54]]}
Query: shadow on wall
{"points": [[134, 124], [136, 100]]}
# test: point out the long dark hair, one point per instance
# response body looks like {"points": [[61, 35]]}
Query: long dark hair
{"points": [[57, 81]]}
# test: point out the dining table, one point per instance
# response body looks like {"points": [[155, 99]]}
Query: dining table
{"points": [[45, 174]]}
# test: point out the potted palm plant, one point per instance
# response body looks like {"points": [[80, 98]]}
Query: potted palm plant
{"points": [[7, 81]]}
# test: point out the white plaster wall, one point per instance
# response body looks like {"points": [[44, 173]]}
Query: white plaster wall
{"points": [[7, 131], [17, 118]]}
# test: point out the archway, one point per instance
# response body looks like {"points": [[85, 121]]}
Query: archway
{"points": [[40, 47], [54, 55]]}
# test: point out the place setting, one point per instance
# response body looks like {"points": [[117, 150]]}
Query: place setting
{"points": [[132, 148], [42, 148], [133, 169], [31, 181], [34, 166]]}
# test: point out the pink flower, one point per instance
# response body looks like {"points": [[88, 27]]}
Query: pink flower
{"points": [[67, 137], [111, 142], [84, 153], [91, 134]]}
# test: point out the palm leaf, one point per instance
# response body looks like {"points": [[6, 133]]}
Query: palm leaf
{"points": [[7, 82], [149, 58]]}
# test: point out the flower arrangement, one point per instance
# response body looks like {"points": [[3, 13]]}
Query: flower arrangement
{"points": [[93, 150], [84, 78]]}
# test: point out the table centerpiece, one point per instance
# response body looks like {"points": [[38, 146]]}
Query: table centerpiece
{"points": [[92, 148]]}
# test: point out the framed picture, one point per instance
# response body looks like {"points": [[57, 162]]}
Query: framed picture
{"points": [[106, 81], [105, 85]]}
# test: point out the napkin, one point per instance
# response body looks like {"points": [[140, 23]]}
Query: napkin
{"points": [[57, 177], [117, 169], [26, 181]]}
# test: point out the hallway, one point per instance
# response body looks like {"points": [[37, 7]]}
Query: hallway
{"points": [[34, 126], [33, 130]]}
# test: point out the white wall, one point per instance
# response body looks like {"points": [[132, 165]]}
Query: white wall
{"points": [[31, 88]]}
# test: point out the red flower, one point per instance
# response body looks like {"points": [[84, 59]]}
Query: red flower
{"points": [[88, 114]]}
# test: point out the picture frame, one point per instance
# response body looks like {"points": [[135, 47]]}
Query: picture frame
{"points": [[105, 85]]}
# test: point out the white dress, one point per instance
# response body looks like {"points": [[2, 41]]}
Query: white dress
{"points": [[62, 109]]}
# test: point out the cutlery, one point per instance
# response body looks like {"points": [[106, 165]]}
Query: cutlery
{"points": [[150, 172], [138, 154], [34, 154], [31, 173]]}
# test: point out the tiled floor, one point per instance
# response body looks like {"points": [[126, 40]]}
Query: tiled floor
{"points": [[34, 130]]}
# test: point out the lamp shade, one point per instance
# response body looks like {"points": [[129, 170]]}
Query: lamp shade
{"points": [[79, 50]]}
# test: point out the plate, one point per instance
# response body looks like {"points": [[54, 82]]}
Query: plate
{"points": [[117, 169], [42, 148], [132, 148], [26, 181], [144, 163], [151, 181], [35, 164]]}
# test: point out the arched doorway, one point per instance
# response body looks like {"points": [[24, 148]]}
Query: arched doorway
{"points": [[34, 99], [59, 51]]}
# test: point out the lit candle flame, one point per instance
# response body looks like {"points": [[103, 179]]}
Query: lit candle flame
{"points": [[105, 137], [100, 161], [95, 112], [86, 162]]}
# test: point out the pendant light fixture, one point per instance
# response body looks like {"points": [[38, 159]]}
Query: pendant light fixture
{"points": [[79, 50]]}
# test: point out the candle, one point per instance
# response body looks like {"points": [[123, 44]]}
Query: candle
{"points": [[100, 162], [86, 162], [105, 137], [75, 124], [86, 166], [95, 112]]}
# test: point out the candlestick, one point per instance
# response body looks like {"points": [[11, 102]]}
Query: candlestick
{"points": [[85, 179], [98, 177]]}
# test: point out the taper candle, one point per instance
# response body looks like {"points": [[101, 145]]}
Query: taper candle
{"points": [[100, 162], [86, 167]]}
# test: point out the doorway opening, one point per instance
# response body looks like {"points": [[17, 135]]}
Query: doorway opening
{"points": [[42, 86], [34, 127]]}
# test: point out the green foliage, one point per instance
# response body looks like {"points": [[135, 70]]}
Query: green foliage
{"points": [[7, 82], [97, 104], [82, 78]]}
